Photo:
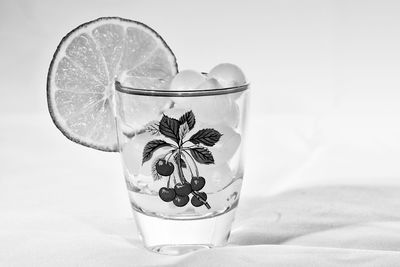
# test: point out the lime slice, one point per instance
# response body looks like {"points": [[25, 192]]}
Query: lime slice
{"points": [[81, 76]]}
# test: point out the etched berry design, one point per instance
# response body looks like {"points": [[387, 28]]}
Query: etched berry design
{"points": [[184, 153], [164, 167]]}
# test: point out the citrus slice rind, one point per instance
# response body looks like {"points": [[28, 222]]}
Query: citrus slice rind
{"points": [[80, 81]]}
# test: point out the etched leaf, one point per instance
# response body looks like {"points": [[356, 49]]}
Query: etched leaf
{"points": [[189, 118], [170, 128], [153, 128], [202, 155], [206, 137], [183, 130], [151, 147], [183, 163]]}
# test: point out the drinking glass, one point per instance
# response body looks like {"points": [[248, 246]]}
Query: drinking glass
{"points": [[182, 156]]}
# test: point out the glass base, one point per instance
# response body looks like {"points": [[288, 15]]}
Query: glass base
{"points": [[176, 237], [176, 249]]}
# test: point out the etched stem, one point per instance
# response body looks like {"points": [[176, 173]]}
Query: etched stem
{"points": [[202, 200], [180, 172], [173, 175], [190, 168], [194, 163], [169, 179], [172, 152]]}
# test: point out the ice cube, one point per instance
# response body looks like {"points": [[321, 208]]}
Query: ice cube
{"points": [[175, 112], [228, 75], [136, 111], [132, 153], [217, 177], [227, 146], [211, 109], [214, 110], [210, 83], [187, 80]]}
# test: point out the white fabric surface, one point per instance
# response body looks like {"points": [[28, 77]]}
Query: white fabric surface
{"points": [[65, 205], [322, 174]]}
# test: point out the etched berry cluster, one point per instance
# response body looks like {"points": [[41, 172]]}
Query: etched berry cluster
{"points": [[183, 153]]}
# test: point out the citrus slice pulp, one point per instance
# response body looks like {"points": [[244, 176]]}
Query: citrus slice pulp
{"points": [[80, 81]]}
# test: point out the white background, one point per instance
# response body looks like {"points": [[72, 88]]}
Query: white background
{"points": [[324, 109], [324, 76]]}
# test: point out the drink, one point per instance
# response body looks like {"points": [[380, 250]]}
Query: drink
{"points": [[179, 134], [183, 172]]}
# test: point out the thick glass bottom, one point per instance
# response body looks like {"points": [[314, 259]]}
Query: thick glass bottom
{"points": [[176, 237]]}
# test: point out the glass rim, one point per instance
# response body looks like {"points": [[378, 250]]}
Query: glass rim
{"points": [[180, 93]]}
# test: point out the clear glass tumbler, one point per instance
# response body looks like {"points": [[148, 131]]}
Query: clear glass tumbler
{"points": [[182, 155]]}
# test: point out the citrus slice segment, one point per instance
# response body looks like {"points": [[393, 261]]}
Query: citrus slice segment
{"points": [[81, 76]]}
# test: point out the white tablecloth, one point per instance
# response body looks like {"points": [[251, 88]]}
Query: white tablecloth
{"points": [[322, 175], [65, 205]]}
